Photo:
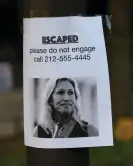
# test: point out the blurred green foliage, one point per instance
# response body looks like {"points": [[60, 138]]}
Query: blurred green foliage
{"points": [[13, 152], [12, 160], [121, 154]]}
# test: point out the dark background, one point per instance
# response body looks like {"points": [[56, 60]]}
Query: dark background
{"points": [[119, 48]]}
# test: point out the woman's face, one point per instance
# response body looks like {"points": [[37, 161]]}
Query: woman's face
{"points": [[64, 98]]}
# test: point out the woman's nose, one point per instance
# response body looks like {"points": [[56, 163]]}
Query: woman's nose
{"points": [[66, 97]]}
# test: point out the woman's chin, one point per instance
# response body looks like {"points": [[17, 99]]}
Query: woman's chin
{"points": [[67, 113]]}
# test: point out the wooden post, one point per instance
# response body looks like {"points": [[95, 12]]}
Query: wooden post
{"points": [[51, 157]]}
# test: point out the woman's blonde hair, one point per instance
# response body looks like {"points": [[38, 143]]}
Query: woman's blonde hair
{"points": [[45, 118]]}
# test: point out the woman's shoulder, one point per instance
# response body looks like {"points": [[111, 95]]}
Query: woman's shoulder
{"points": [[91, 129], [40, 132]]}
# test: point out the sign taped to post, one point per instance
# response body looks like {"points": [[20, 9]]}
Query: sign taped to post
{"points": [[66, 83]]}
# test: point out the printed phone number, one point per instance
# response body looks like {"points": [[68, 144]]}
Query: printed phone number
{"points": [[62, 58]]}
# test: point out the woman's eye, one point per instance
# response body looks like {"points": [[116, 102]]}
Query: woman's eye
{"points": [[70, 93], [60, 92]]}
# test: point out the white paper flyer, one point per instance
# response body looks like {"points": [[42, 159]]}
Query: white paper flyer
{"points": [[66, 83]]}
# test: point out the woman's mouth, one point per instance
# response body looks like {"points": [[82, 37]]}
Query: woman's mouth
{"points": [[65, 104]]}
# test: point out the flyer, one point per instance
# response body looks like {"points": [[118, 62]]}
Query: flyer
{"points": [[66, 83]]}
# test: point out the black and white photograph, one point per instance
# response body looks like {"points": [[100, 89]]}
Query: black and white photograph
{"points": [[65, 108]]}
